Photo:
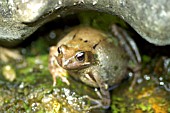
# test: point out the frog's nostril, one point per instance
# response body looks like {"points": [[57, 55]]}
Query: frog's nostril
{"points": [[59, 50], [62, 49]]}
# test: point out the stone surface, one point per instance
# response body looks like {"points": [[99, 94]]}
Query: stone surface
{"points": [[20, 18]]}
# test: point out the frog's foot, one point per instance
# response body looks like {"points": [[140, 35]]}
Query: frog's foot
{"points": [[55, 70], [98, 103], [167, 87], [64, 79], [103, 94], [7, 54], [103, 102], [137, 74], [56, 73]]}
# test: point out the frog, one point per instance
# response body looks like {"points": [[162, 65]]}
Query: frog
{"points": [[94, 57]]}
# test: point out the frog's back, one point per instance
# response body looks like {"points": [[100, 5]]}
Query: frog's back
{"points": [[82, 35], [113, 60]]}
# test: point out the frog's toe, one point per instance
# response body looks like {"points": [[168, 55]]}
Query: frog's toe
{"points": [[98, 103], [167, 87], [65, 80], [54, 83]]}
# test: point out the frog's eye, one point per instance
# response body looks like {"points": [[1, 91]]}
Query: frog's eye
{"points": [[59, 50], [80, 56]]}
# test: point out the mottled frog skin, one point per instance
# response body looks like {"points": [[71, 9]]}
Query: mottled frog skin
{"points": [[91, 56]]}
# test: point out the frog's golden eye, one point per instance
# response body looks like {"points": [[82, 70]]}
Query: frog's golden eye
{"points": [[80, 56]]}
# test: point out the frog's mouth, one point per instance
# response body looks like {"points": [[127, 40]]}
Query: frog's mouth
{"points": [[70, 64]]}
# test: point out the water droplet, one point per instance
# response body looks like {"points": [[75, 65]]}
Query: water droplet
{"points": [[95, 2], [130, 74], [52, 35], [161, 83], [81, 1], [140, 80], [160, 78], [147, 77], [60, 2], [22, 85], [122, 3], [122, 17]]}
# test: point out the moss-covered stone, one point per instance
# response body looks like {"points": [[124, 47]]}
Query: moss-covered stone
{"points": [[32, 90]]}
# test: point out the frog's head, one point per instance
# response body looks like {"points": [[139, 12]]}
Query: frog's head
{"points": [[71, 58]]}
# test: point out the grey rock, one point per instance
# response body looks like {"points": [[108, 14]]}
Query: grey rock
{"points": [[20, 18]]}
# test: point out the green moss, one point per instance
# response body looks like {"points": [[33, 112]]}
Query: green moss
{"points": [[146, 108], [168, 110], [118, 105], [98, 20], [146, 58]]}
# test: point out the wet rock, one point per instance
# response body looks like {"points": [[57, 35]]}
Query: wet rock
{"points": [[32, 89], [20, 18]]}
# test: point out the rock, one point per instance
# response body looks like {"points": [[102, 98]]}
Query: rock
{"points": [[20, 18]]}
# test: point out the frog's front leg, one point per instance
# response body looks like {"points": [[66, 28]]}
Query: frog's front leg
{"points": [[103, 94], [55, 69]]}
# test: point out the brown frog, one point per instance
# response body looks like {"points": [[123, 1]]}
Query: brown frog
{"points": [[93, 57]]}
